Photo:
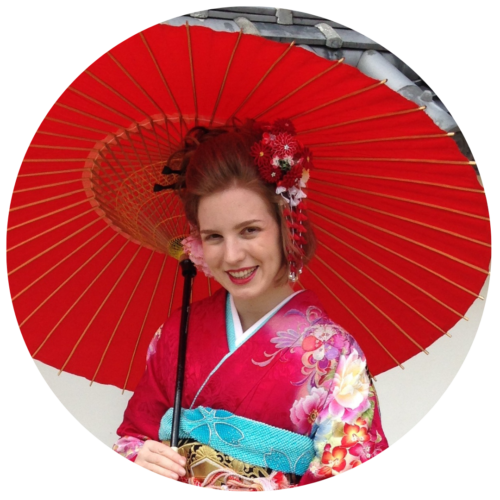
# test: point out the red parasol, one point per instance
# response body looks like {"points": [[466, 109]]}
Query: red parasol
{"points": [[402, 222]]}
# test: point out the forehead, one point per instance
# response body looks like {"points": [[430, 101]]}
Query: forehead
{"points": [[232, 206]]}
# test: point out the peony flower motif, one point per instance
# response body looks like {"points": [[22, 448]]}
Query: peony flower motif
{"points": [[194, 248], [334, 461], [261, 153], [285, 144], [305, 411], [351, 386], [366, 450], [354, 434]]}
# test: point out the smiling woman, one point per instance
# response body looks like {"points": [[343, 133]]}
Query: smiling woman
{"points": [[276, 394]]}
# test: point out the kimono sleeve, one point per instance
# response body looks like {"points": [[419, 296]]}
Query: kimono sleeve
{"points": [[348, 430], [141, 420]]}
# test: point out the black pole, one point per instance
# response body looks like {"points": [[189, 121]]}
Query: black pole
{"points": [[189, 272]]}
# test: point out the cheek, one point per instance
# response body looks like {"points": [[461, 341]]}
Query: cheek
{"points": [[210, 254]]}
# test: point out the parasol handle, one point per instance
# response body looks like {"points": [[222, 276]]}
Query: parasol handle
{"points": [[189, 272]]}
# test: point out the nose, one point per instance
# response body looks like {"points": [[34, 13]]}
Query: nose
{"points": [[234, 251]]}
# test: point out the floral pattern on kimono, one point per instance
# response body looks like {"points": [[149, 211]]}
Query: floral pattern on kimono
{"points": [[337, 400]]}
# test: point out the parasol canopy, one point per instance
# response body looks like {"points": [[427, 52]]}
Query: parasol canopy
{"points": [[401, 219]]}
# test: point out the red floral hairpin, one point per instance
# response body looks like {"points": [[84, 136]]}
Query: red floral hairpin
{"points": [[283, 161]]}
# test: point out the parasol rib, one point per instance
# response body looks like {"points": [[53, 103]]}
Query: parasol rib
{"points": [[120, 217], [69, 148], [136, 83], [102, 104], [162, 77], [103, 303], [25, 320], [191, 66], [76, 125], [405, 200], [300, 87], [22, 224], [444, 278], [409, 240], [46, 200], [223, 84], [406, 219], [383, 139], [397, 160], [355, 317], [49, 230], [143, 217], [52, 160], [81, 295], [89, 115], [121, 317], [338, 99], [143, 324], [65, 136], [360, 120], [86, 242], [56, 172], [386, 316], [115, 92], [46, 186], [267, 73], [385, 288], [398, 179], [55, 245]]}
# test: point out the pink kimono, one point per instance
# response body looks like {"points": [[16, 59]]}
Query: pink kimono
{"points": [[295, 395]]}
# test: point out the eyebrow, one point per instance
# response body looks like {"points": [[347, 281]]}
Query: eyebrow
{"points": [[238, 226]]}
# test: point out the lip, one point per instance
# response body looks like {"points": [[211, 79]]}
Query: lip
{"points": [[242, 281]]}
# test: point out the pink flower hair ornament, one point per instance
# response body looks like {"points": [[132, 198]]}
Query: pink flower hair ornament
{"points": [[193, 247]]}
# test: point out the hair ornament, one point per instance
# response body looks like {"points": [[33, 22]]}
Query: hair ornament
{"points": [[193, 247], [283, 161]]}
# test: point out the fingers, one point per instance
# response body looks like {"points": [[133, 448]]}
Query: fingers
{"points": [[161, 459]]}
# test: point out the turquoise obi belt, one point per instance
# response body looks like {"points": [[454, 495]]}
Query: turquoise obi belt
{"points": [[244, 439]]}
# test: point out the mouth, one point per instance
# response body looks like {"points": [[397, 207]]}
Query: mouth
{"points": [[242, 276]]}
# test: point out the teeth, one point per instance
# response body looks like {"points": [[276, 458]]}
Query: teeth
{"points": [[242, 274]]}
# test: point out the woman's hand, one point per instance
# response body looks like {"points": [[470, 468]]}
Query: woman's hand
{"points": [[162, 459]]}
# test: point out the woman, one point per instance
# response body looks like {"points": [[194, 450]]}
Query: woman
{"points": [[275, 394]]}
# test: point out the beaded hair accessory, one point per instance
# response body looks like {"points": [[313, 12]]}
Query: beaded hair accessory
{"points": [[283, 161]]}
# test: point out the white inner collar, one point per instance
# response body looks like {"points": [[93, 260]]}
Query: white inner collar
{"points": [[239, 334]]}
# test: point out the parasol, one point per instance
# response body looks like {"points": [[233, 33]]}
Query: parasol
{"points": [[402, 222]]}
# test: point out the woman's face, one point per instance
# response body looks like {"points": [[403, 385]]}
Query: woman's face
{"points": [[241, 242]]}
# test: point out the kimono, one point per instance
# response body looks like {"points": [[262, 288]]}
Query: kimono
{"points": [[287, 403]]}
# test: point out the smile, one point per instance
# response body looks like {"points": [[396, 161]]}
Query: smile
{"points": [[242, 276], [246, 273]]}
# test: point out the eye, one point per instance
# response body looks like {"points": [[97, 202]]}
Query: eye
{"points": [[212, 237], [250, 230]]}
